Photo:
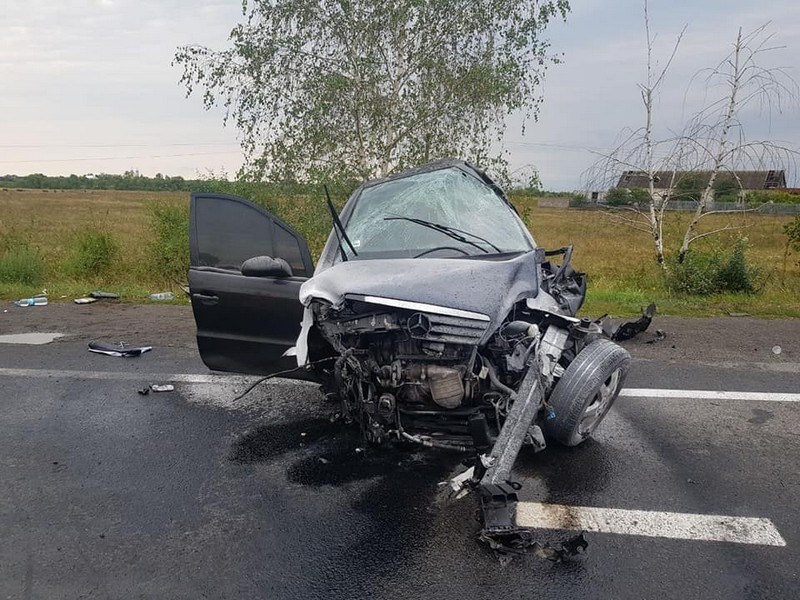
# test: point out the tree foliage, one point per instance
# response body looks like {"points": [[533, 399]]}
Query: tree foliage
{"points": [[617, 196], [360, 88]]}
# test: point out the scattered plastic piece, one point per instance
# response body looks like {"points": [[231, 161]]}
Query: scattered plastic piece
{"points": [[144, 391], [776, 350], [35, 301], [162, 388], [162, 296], [660, 335], [631, 329], [104, 295], [117, 349], [84, 300]]}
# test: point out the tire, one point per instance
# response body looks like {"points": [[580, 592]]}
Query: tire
{"points": [[586, 391]]}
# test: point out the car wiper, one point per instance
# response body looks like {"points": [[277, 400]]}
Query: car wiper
{"points": [[456, 234], [339, 228]]}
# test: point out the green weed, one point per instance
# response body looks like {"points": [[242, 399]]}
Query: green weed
{"points": [[92, 252], [21, 264], [168, 242]]}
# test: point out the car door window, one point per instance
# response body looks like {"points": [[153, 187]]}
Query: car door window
{"points": [[288, 249], [230, 230]]}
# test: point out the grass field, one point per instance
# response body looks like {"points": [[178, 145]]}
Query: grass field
{"points": [[622, 274]]}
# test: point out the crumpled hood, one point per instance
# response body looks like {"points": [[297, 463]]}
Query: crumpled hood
{"points": [[489, 287]]}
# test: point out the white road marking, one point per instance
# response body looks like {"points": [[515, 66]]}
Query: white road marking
{"points": [[125, 376], [663, 394], [680, 526], [708, 395]]}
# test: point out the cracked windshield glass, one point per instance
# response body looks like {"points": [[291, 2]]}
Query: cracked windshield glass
{"points": [[445, 213]]}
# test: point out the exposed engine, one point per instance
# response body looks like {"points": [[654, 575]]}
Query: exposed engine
{"points": [[431, 377]]}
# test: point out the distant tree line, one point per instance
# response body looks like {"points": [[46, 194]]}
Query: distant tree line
{"points": [[129, 180]]}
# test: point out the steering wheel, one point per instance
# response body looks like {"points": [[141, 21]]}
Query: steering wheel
{"points": [[461, 250]]}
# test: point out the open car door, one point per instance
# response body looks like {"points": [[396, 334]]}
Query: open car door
{"points": [[245, 324]]}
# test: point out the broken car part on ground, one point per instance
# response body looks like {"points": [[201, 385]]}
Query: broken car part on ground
{"points": [[432, 317]]}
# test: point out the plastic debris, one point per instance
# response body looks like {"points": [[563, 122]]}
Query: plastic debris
{"points": [[162, 387], [104, 295], [631, 329], [35, 301], [118, 349], [143, 391], [162, 296], [776, 350], [660, 335], [84, 300]]}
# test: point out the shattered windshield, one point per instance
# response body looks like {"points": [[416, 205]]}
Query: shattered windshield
{"points": [[442, 213]]}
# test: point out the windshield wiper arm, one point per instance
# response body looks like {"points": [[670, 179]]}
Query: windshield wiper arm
{"points": [[450, 231], [338, 227]]}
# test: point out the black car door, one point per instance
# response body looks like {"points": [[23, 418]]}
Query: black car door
{"points": [[244, 324]]}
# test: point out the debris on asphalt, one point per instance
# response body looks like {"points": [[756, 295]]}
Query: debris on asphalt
{"points": [[506, 544], [162, 296], [776, 350], [104, 295], [659, 335], [118, 349], [143, 391], [631, 329], [162, 387], [84, 300]]}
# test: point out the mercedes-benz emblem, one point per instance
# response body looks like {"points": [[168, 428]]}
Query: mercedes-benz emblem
{"points": [[418, 325]]}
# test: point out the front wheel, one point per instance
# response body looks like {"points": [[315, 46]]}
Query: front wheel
{"points": [[586, 391]]}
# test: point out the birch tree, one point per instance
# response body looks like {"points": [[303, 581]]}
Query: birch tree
{"points": [[361, 88], [710, 143]]}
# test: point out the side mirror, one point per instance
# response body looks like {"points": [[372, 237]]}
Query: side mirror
{"points": [[266, 266]]}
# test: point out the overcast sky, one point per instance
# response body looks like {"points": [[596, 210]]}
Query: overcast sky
{"points": [[86, 86]]}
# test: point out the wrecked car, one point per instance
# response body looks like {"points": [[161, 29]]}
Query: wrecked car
{"points": [[432, 317]]}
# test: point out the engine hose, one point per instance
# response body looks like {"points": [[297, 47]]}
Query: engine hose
{"points": [[496, 383]]}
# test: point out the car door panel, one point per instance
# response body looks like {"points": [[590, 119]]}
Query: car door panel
{"points": [[244, 324]]}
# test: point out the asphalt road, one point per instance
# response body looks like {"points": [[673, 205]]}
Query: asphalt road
{"points": [[105, 493]]}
